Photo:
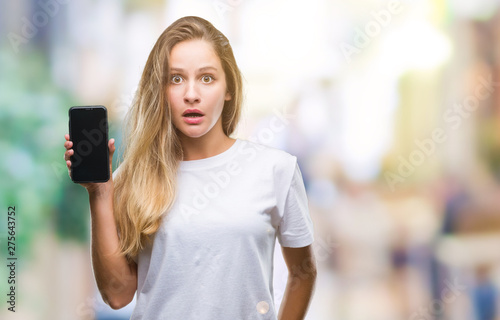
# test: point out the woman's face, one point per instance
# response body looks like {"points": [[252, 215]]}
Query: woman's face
{"points": [[197, 88]]}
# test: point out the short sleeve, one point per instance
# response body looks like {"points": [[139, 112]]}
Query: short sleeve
{"points": [[295, 228]]}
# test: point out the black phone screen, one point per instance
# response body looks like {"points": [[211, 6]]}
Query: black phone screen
{"points": [[88, 129]]}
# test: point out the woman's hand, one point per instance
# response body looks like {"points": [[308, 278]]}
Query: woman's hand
{"points": [[90, 186]]}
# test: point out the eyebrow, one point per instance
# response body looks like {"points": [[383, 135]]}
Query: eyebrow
{"points": [[200, 69]]}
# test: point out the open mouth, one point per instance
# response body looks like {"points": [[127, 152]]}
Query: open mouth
{"points": [[193, 115]]}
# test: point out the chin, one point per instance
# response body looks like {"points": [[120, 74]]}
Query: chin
{"points": [[196, 133]]}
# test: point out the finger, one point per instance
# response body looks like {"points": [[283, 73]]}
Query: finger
{"points": [[66, 136], [68, 164], [68, 144], [68, 154], [111, 145]]}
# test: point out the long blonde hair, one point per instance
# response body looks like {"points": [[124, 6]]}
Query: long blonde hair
{"points": [[145, 184]]}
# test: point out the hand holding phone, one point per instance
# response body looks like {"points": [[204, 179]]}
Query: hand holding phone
{"points": [[87, 145], [68, 144]]}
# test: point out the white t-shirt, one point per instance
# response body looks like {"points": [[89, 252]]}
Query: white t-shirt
{"points": [[212, 257]]}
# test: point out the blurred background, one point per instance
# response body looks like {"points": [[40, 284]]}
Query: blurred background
{"points": [[392, 108]]}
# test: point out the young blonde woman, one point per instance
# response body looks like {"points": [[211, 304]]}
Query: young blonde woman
{"points": [[189, 220]]}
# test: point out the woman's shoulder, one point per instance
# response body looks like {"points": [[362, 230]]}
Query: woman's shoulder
{"points": [[265, 155]]}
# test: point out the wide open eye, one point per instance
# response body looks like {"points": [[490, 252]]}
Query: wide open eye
{"points": [[207, 79], [176, 79]]}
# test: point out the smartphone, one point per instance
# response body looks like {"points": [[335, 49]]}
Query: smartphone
{"points": [[88, 129]]}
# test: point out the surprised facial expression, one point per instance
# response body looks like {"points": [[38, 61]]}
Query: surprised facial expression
{"points": [[197, 89]]}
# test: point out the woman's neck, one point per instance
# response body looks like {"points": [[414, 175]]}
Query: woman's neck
{"points": [[208, 145]]}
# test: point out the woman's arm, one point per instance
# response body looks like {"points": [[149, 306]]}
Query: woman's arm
{"points": [[116, 278], [300, 285]]}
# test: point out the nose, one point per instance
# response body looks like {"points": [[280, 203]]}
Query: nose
{"points": [[191, 95]]}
